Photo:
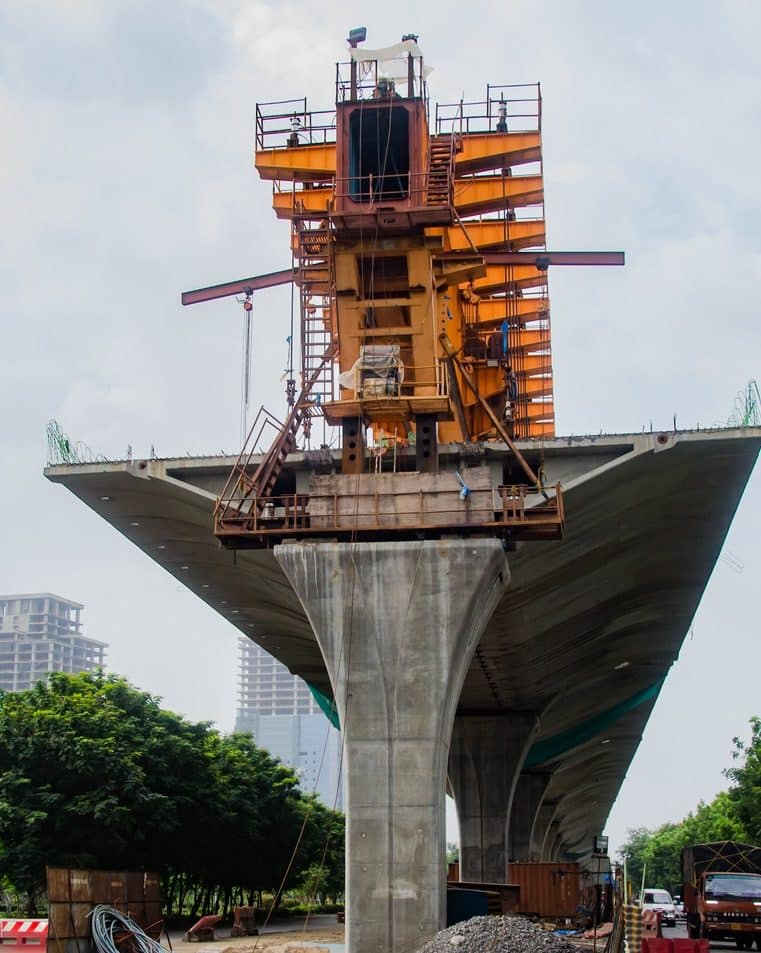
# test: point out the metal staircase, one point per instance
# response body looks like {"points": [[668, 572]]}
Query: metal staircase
{"points": [[441, 151], [315, 280], [246, 495]]}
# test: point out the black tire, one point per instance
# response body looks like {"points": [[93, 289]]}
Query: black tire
{"points": [[758, 942]]}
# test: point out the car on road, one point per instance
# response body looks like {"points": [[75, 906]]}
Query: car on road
{"points": [[679, 908], [660, 901]]}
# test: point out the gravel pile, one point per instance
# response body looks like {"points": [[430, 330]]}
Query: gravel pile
{"points": [[497, 935]]}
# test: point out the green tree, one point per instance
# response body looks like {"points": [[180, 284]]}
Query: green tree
{"points": [[633, 852], [94, 773], [745, 792], [659, 851], [88, 771]]}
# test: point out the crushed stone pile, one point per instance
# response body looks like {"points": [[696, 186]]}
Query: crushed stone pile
{"points": [[497, 935]]}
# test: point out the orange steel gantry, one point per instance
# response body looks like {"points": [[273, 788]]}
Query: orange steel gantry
{"points": [[420, 260]]}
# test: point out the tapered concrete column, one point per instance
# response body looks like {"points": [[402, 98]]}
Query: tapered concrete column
{"points": [[544, 817], [397, 624], [485, 759], [529, 791]]}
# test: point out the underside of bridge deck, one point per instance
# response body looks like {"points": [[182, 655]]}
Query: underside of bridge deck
{"points": [[579, 643]]}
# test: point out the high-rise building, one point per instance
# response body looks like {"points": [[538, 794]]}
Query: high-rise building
{"points": [[41, 633], [280, 712]]}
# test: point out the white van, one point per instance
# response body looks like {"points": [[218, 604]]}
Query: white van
{"points": [[660, 900]]}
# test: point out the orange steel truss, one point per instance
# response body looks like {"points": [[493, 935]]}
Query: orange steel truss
{"points": [[419, 256], [475, 186]]}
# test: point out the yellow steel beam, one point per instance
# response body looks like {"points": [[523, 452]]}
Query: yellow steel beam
{"points": [[303, 203], [482, 151], [537, 387], [519, 276], [304, 163], [539, 410], [495, 234], [524, 310], [545, 428], [490, 193]]}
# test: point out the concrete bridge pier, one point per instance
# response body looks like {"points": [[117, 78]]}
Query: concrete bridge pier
{"points": [[397, 625], [529, 791], [550, 840], [485, 760], [544, 818]]}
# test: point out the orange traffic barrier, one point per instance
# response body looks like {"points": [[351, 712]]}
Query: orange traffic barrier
{"points": [[677, 945]]}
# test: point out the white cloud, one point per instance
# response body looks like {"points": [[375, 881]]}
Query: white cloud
{"points": [[127, 177]]}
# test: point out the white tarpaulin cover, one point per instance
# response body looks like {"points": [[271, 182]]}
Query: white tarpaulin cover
{"points": [[379, 361], [391, 60]]}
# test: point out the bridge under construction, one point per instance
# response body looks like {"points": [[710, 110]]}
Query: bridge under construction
{"points": [[491, 608]]}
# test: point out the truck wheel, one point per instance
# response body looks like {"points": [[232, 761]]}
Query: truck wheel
{"points": [[758, 942]]}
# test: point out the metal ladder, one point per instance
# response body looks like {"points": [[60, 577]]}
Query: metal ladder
{"points": [[440, 170], [244, 494], [315, 280]]}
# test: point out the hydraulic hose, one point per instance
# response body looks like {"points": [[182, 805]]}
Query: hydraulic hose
{"points": [[110, 928]]}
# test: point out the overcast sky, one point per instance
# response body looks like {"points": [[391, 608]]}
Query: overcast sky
{"points": [[126, 177]]}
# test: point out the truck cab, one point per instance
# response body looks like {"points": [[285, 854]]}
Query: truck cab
{"points": [[726, 906]]}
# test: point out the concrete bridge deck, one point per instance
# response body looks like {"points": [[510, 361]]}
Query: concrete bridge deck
{"points": [[570, 663]]}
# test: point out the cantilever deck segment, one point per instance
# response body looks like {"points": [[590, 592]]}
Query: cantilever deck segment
{"points": [[647, 516]]}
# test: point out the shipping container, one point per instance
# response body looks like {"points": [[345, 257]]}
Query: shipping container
{"points": [[547, 890]]}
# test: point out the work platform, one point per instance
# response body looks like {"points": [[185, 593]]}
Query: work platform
{"points": [[584, 634]]}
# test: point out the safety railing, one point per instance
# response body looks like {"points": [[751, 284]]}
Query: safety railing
{"points": [[515, 512], [369, 191], [291, 122], [239, 484], [399, 77], [506, 108]]}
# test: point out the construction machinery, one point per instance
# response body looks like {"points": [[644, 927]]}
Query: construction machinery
{"points": [[419, 255]]}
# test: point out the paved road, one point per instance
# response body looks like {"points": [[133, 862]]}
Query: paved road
{"points": [[681, 930]]}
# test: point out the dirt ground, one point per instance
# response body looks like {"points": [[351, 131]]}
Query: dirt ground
{"points": [[281, 937], [290, 942]]}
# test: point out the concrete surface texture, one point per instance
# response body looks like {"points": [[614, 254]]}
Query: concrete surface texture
{"points": [[397, 624], [527, 798], [485, 758]]}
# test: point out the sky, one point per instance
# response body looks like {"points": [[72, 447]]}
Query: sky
{"points": [[126, 177]]}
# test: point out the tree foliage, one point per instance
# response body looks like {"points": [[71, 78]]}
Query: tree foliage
{"points": [[746, 782], [732, 815], [94, 773]]}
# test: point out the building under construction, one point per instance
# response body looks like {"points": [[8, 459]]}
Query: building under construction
{"points": [[489, 607]]}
